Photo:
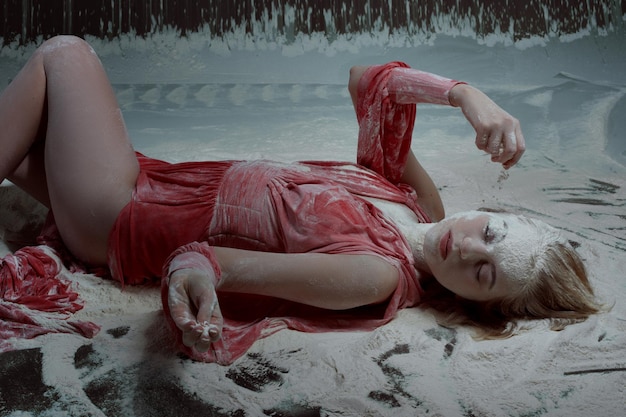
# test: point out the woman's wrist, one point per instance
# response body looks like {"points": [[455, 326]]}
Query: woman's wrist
{"points": [[182, 273], [457, 94]]}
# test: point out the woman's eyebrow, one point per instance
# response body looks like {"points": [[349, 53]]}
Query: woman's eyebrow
{"points": [[500, 230], [502, 233]]}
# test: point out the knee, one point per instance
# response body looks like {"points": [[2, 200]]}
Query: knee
{"points": [[65, 47]]}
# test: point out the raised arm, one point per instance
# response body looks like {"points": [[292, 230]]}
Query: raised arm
{"points": [[497, 132], [427, 193], [413, 173]]}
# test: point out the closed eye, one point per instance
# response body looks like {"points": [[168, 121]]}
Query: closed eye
{"points": [[492, 277], [488, 272], [480, 271]]}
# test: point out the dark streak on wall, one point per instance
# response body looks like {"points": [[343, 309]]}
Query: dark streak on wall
{"points": [[24, 21]]}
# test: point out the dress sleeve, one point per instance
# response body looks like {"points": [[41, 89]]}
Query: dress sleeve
{"points": [[386, 113], [408, 85], [194, 255]]}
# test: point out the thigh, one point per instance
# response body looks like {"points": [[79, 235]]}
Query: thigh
{"points": [[30, 174], [91, 167]]}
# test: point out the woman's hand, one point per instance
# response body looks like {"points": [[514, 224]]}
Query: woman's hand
{"points": [[194, 307], [497, 132]]}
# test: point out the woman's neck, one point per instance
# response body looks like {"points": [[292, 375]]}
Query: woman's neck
{"points": [[410, 227], [414, 234]]}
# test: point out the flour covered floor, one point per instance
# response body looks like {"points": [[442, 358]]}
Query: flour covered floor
{"points": [[188, 99]]}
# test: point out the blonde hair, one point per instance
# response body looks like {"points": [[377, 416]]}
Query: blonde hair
{"points": [[559, 291]]}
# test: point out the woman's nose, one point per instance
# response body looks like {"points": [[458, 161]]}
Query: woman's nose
{"points": [[472, 249]]}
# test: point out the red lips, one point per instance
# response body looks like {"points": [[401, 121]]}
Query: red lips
{"points": [[445, 244]]}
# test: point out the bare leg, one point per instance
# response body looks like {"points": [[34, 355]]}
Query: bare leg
{"points": [[63, 95], [30, 174]]}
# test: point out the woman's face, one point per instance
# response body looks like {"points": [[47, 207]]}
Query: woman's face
{"points": [[481, 256]]}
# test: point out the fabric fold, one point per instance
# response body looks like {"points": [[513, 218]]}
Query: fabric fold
{"points": [[36, 299]]}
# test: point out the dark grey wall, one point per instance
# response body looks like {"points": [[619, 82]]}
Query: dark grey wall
{"points": [[26, 20]]}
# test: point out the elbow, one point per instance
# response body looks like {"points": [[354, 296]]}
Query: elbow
{"points": [[384, 281], [387, 288], [356, 73], [373, 281]]}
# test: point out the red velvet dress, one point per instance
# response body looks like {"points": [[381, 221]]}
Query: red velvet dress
{"points": [[292, 208]]}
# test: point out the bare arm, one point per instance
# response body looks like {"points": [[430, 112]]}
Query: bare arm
{"points": [[427, 193], [329, 281], [414, 174], [334, 282], [497, 132]]}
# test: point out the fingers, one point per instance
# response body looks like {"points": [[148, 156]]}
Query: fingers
{"points": [[517, 151], [179, 304], [201, 335], [497, 132], [210, 320], [503, 141], [482, 140], [195, 310]]}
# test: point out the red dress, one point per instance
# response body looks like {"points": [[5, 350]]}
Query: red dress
{"points": [[291, 208]]}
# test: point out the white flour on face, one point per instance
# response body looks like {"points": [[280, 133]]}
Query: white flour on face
{"points": [[518, 242], [514, 254]]}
